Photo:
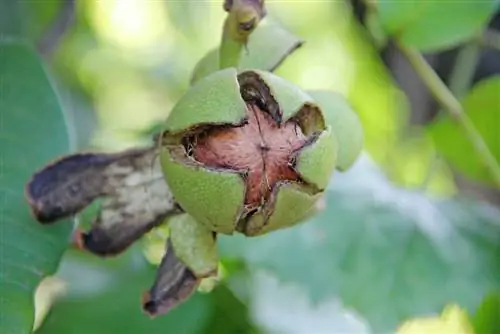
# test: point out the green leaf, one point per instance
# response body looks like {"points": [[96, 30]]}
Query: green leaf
{"points": [[108, 301], [483, 108], [32, 133], [390, 253], [225, 305], [37, 16], [487, 317], [279, 307], [80, 113], [345, 123], [268, 46], [10, 23], [28, 19], [435, 25]]}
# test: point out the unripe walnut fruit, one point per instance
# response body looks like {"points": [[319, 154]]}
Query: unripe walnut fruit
{"points": [[247, 152]]}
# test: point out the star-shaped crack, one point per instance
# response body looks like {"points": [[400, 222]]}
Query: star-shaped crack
{"points": [[261, 148]]}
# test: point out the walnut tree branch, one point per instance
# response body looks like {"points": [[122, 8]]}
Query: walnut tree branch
{"points": [[490, 39], [52, 36], [450, 104]]}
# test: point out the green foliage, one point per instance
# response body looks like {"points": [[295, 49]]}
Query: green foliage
{"points": [[27, 19], [38, 16], [33, 132], [106, 302], [435, 25], [482, 107], [10, 25], [376, 244], [486, 319]]}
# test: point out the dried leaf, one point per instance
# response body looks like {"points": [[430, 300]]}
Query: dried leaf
{"points": [[135, 195], [174, 283]]}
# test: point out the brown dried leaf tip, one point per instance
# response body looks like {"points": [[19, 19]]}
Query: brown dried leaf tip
{"points": [[174, 284], [135, 196]]}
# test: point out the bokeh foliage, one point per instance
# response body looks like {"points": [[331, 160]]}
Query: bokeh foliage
{"points": [[33, 131], [381, 254]]}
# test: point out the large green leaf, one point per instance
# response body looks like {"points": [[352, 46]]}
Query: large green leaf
{"points": [[390, 253], [10, 24], [284, 307], [32, 133], [435, 25], [107, 301], [483, 108]]}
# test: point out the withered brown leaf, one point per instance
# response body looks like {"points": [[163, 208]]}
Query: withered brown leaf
{"points": [[174, 283], [135, 196]]}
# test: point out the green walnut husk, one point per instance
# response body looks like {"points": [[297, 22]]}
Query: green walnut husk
{"points": [[194, 245], [345, 124], [216, 196]]}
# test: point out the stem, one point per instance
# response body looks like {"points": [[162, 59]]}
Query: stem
{"points": [[460, 82], [464, 69], [230, 49], [242, 19], [450, 104], [491, 39], [374, 28], [52, 36]]}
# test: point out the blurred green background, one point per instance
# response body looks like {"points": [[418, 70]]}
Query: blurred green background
{"points": [[395, 242]]}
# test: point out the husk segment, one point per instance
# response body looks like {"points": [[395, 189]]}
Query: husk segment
{"points": [[345, 123]]}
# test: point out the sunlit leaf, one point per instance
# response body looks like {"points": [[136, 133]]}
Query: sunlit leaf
{"points": [[421, 24], [483, 108], [453, 320], [414, 163], [33, 132], [390, 253], [487, 317]]}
